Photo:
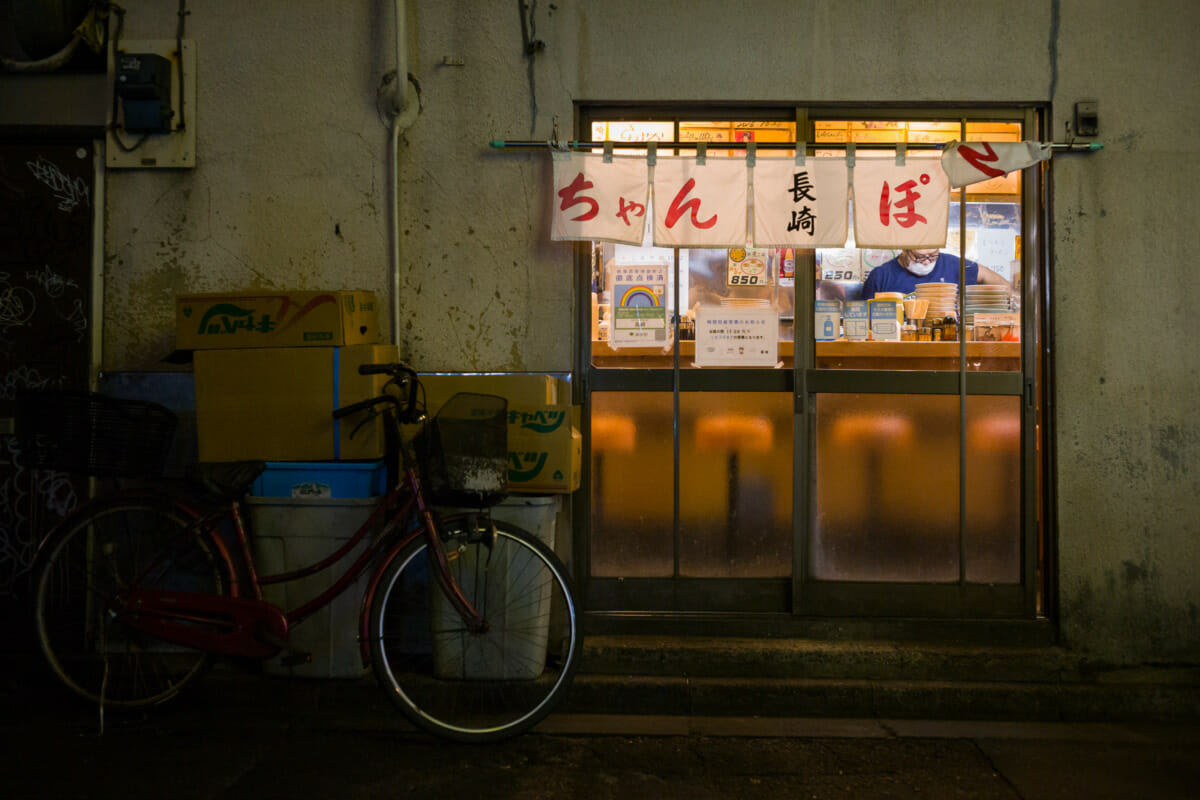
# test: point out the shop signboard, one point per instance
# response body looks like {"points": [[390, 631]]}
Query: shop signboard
{"points": [[899, 205], [900, 202]]}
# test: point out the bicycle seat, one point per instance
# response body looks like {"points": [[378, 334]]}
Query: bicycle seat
{"points": [[228, 480]]}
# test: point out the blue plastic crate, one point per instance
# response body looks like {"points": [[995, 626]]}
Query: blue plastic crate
{"points": [[322, 479]]}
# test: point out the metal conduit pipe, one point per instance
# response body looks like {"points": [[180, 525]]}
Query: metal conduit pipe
{"points": [[403, 107]]}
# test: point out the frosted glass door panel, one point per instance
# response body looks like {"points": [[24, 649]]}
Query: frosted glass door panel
{"points": [[993, 541], [735, 477], [632, 485], [886, 488]]}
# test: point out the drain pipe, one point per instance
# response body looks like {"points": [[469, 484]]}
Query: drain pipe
{"points": [[398, 99]]}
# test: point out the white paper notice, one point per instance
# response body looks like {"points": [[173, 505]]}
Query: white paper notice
{"points": [[737, 337]]}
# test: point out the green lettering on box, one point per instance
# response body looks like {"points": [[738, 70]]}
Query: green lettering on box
{"points": [[524, 467], [318, 336]]}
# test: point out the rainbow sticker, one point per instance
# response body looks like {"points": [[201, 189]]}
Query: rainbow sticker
{"points": [[638, 296]]}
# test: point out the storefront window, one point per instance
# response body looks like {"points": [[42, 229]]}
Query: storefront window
{"points": [[936, 309], [634, 287], [818, 469]]}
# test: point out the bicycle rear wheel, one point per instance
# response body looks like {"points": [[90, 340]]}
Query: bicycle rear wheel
{"points": [[466, 686], [114, 545]]}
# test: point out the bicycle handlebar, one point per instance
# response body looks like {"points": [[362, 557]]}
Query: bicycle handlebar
{"points": [[401, 375], [379, 369], [363, 405]]}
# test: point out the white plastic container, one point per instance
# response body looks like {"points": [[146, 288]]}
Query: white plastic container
{"points": [[291, 533], [492, 656]]}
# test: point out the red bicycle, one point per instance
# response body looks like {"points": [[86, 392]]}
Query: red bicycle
{"points": [[470, 624]]}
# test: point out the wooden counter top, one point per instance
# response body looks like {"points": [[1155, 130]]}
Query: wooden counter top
{"points": [[1000, 356], [916, 349]]}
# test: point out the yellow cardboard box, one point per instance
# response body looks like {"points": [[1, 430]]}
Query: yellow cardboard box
{"points": [[275, 319], [276, 404], [545, 449], [524, 390]]}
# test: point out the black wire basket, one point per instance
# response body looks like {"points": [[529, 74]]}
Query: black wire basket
{"points": [[93, 434], [464, 451]]}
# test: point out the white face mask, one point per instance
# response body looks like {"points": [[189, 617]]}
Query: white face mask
{"points": [[919, 269]]}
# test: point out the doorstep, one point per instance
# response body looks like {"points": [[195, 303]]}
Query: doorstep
{"points": [[729, 676]]}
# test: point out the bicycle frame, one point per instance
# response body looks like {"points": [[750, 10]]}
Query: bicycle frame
{"points": [[249, 626]]}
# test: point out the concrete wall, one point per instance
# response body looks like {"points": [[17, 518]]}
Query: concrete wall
{"points": [[291, 191]]}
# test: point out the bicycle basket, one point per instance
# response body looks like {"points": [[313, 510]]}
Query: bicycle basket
{"points": [[464, 453], [92, 434]]}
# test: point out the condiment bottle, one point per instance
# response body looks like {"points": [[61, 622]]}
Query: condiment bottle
{"points": [[949, 329]]}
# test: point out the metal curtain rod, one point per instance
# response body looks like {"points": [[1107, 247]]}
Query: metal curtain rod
{"points": [[1071, 147]]}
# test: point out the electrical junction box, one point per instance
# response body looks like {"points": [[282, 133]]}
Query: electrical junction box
{"points": [[143, 90], [154, 86]]}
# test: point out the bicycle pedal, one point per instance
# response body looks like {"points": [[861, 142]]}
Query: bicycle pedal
{"points": [[296, 659]]}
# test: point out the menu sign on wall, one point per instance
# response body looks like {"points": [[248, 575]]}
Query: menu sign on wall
{"points": [[747, 266], [737, 337]]}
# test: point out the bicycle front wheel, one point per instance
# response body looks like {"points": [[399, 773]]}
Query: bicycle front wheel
{"points": [[115, 545], [476, 686]]}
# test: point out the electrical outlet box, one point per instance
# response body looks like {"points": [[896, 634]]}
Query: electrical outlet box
{"points": [[1087, 118], [154, 93]]}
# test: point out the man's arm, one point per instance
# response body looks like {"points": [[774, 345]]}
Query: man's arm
{"points": [[991, 276]]}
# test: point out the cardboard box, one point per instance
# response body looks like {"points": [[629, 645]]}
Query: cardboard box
{"points": [[276, 404], [524, 390], [545, 449], [275, 319]]}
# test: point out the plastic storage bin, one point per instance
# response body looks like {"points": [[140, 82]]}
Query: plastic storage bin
{"points": [[290, 533], [321, 479], [462, 655]]}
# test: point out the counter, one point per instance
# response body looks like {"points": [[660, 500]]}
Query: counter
{"points": [[981, 356]]}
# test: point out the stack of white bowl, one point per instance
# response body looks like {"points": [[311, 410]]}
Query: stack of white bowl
{"points": [[985, 299], [745, 302], [942, 297]]}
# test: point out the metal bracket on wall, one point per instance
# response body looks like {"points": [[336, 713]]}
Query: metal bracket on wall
{"points": [[174, 149]]}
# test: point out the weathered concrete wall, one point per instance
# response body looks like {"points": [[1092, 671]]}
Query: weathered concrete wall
{"points": [[1125, 241], [290, 191]]}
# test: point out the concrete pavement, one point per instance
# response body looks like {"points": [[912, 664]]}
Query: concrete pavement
{"points": [[242, 736]]}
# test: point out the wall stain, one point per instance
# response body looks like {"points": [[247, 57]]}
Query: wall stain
{"points": [[1171, 444], [1128, 141], [1133, 572]]}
